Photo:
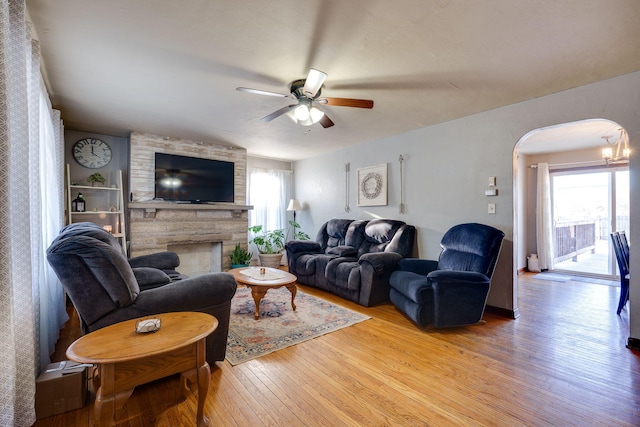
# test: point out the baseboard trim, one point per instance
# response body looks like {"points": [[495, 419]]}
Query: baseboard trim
{"points": [[633, 343], [504, 312]]}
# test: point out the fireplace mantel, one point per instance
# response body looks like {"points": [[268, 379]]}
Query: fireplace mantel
{"points": [[150, 208]]}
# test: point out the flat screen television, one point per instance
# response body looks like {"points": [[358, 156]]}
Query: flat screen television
{"points": [[194, 180]]}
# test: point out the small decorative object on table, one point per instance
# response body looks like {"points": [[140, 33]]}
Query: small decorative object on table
{"points": [[144, 326], [262, 270]]}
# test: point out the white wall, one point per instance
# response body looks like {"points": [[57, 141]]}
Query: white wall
{"points": [[447, 165]]}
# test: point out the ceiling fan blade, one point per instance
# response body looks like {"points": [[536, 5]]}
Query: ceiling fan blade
{"points": [[263, 92], [313, 82], [278, 113], [326, 122], [347, 102]]}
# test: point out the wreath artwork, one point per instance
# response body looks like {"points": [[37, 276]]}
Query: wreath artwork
{"points": [[372, 185]]}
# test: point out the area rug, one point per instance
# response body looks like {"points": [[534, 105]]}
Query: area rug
{"points": [[279, 326]]}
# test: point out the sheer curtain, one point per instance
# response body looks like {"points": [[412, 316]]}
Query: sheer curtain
{"points": [[31, 199], [544, 218], [269, 193]]}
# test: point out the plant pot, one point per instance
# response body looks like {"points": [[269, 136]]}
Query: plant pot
{"points": [[270, 260], [239, 265]]}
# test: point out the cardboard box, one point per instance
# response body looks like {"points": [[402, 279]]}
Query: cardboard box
{"points": [[61, 387]]}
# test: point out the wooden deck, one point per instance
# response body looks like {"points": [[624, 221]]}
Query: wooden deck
{"points": [[562, 363]]}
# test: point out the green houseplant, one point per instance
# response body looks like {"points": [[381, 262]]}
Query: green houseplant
{"points": [[96, 178], [270, 243], [240, 257]]}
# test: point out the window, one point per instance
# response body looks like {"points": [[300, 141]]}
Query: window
{"points": [[587, 207]]}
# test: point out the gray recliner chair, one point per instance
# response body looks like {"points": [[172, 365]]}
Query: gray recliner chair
{"points": [[452, 291], [105, 287]]}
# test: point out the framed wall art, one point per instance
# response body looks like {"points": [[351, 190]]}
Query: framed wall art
{"points": [[372, 185]]}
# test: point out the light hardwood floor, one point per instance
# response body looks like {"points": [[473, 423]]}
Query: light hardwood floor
{"points": [[562, 363]]}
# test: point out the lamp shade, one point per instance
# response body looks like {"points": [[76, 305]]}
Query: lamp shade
{"points": [[294, 205]]}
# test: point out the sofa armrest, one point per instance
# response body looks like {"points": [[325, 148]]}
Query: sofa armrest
{"points": [[306, 246], [149, 278], [418, 266], [381, 262], [161, 260], [457, 277]]}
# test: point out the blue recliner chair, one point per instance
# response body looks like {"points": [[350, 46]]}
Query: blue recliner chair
{"points": [[453, 290], [106, 287]]}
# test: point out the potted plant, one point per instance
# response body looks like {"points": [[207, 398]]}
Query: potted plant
{"points": [[270, 244], [96, 178], [240, 257]]}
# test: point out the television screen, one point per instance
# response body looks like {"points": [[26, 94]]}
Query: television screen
{"points": [[191, 179]]}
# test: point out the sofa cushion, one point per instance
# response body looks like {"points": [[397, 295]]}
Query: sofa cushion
{"points": [[378, 233], [336, 232], [149, 278], [466, 248], [348, 251]]}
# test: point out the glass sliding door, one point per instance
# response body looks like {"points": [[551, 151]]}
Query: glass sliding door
{"points": [[587, 206]]}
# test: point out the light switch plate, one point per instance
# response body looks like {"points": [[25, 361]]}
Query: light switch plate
{"points": [[491, 208]]}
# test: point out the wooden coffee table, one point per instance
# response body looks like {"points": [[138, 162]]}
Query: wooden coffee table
{"points": [[127, 359], [273, 279]]}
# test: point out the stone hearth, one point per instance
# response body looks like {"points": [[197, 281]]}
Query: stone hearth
{"points": [[157, 226]]}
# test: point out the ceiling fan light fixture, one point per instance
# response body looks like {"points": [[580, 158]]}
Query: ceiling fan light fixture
{"points": [[316, 114], [302, 112], [314, 82]]}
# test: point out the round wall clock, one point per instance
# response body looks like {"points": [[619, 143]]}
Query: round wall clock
{"points": [[91, 153]]}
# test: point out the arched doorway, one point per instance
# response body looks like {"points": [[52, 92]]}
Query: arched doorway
{"points": [[574, 153]]}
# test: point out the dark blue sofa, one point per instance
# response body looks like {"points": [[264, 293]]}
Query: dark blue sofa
{"points": [[352, 258]]}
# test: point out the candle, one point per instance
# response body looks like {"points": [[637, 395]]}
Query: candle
{"points": [[108, 228]]}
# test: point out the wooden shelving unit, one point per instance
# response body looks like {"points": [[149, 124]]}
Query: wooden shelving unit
{"points": [[109, 197]]}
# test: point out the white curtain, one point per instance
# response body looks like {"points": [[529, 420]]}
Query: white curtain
{"points": [[269, 193], [544, 218], [31, 198]]}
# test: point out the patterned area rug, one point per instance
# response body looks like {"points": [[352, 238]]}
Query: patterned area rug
{"points": [[279, 326]]}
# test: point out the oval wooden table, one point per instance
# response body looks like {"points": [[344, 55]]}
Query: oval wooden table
{"points": [[127, 359], [272, 278]]}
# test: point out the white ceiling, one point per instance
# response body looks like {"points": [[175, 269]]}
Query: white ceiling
{"points": [[171, 67]]}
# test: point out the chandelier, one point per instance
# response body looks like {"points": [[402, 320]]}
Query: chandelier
{"points": [[616, 151]]}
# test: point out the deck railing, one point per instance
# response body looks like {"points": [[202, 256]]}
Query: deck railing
{"points": [[574, 238]]}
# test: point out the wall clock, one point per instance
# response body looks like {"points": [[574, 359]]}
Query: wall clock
{"points": [[91, 153]]}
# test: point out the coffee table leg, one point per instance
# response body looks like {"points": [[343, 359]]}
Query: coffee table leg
{"points": [[293, 290], [257, 293]]}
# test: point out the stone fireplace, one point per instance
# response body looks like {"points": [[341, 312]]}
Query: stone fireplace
{"points": [[202, 235]]}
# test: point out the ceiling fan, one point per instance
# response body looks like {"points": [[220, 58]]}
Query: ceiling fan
{"points": [[307, 92]]}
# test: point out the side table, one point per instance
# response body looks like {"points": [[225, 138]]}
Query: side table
{"points": [[127, 359]]}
